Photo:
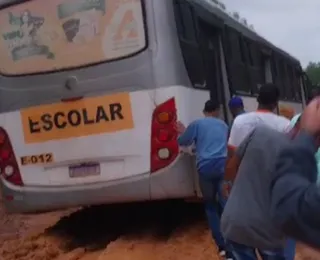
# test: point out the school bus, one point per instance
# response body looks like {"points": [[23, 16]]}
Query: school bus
{"points": [[91, 90]]}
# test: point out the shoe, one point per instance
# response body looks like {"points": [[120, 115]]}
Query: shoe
{"points": [[222, 252], [228, 256]]}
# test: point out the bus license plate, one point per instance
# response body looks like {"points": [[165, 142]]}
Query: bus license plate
{"points": [[84, 170]]}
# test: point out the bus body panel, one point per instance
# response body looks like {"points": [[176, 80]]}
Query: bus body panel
{"points": [[178, 179], [175, 181], [251, 104], [121, 154]]}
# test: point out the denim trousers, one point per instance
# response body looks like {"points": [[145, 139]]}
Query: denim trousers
{"points": [[290, 249], [242, 252], [211, 189]]}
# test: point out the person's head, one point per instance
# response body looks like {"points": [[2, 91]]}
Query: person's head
{"points": [[268, 97], [236, 106], [211, 109]]}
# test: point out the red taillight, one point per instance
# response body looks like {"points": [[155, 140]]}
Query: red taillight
{"points": [[164, 146], [8, 163]]}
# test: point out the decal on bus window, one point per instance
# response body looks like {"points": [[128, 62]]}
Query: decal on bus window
{"points": [[37, 159], [24, 38], [40, 36], [89, 116]]}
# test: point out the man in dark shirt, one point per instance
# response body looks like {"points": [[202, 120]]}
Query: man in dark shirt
{"points": [[295, 196], [246, 222]]}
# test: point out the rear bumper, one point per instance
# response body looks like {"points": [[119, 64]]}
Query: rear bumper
{"points": [[38, 199], [176, 181]]}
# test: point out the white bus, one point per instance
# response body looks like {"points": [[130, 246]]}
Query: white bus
{"points": [[90, 91]]}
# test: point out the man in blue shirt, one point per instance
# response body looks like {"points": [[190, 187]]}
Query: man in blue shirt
{"points": [[209, 134]]}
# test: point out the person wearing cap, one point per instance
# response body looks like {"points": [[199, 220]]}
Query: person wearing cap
{"points": [[236, 107], [209, 134]]}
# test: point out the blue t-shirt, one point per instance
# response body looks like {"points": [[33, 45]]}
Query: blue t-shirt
{"points": [[210, 137]]}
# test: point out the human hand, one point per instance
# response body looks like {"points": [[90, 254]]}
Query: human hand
{"points": [[226, 189], [180, 127], [310, 118]]}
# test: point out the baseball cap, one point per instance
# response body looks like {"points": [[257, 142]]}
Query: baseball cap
{"points": [[235, 102]]}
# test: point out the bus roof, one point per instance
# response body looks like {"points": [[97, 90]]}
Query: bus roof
{"points": [[231, 22]]}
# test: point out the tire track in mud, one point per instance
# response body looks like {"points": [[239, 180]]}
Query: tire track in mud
{"points": [[157, 230], [171, 230]]}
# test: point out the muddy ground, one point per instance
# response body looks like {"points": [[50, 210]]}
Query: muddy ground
{"points": [[149, 231]]}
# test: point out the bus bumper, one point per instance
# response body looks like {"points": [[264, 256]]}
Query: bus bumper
{"points": [[28, 199]]}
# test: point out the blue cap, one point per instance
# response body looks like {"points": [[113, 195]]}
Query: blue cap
{"points": [[235, 102]]}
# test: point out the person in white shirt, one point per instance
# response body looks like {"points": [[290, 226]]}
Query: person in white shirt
{"points": [[245, 123]]}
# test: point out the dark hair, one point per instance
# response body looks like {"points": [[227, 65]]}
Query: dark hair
{"points": [[268, 94], [211, 106]]}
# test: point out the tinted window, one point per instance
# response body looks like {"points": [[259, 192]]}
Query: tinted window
{"points": [[234, 43], [235, 56], [185, 21]]}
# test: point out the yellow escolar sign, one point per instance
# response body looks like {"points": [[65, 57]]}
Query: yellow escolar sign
{"points": [[84, 117]]}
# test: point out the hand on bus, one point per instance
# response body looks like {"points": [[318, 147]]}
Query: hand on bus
{"points": [[180, 127]]}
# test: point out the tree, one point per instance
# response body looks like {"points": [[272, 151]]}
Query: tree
{"points": [[313, 72]]}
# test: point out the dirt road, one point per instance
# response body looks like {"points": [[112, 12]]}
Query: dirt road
{"points": [[149, 231]]}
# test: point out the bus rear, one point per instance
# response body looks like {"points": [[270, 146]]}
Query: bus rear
{"points": [[79, 123]]}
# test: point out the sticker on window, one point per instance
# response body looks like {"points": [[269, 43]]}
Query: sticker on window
{"points": [[38, 36]]}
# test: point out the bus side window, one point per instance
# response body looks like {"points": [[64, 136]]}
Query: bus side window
{"points": [[297, 81], [287, 81], [191, 52], [255, 65], [279, 79], [236, 55], [293, 87]]}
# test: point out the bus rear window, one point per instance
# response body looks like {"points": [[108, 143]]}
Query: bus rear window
{"points": [[43, 36]]}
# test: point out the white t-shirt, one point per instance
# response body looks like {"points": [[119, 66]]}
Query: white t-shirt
{"points": [[245, 123]]}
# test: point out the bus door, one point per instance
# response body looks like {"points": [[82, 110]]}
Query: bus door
{"points": [[209, 36]]}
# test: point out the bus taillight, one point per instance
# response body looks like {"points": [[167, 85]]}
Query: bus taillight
{"points": [[164, 146], [8, 163]]}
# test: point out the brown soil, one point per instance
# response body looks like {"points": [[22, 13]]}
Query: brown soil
{"points": [[151, 231]]}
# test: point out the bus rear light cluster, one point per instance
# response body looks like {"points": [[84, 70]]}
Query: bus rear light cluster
{"points": [[9, 168], [164, 146]]}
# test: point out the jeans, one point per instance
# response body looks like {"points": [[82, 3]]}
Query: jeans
{"points": [[242, 252], [211, 190], [290, 249]]}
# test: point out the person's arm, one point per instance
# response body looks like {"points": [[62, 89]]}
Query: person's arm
{"points": [[189, 135], [232, 140], [295, 197], [234, 161]]}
